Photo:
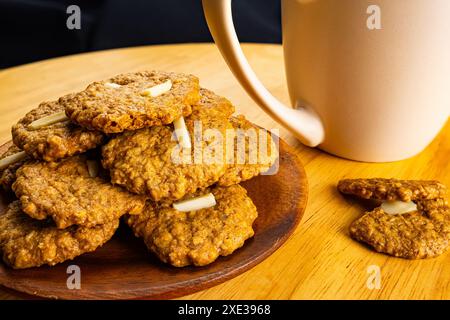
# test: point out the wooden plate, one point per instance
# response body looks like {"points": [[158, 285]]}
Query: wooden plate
{"points": [[124, 269]]}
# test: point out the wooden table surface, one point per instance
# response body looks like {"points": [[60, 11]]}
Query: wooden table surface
{"points": [[319, 261]]}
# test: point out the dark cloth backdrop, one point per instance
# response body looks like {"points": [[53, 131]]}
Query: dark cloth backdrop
{"points": [[32, 30]]}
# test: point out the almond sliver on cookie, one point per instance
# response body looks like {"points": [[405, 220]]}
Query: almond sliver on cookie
{"points": [[182, 133], [203, 202], [112, 85], [398, 207], [158, 89], [46, 121], [9, 160], [92, 168]]}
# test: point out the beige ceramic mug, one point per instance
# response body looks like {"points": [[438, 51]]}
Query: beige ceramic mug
{"points": [[369, 80]]}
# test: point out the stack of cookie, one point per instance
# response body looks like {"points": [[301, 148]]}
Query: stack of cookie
{"points": [[148, 146]]}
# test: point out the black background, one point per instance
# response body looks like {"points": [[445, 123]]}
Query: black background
{"points": [[32, 30]]}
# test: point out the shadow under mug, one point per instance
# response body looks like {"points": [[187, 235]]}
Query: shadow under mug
{"points": [[368, 82]]}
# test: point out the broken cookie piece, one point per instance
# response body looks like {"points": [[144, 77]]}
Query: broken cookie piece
{"points": [[26, 242], [71, 193], [45, 133], [197, 237], [392, 189], [424, 233], [408, 230]]}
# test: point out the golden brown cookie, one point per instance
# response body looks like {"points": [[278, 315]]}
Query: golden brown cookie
{"points": [[26, 242], [253, 152], [197, 237], [392, 189], [149, 161], [120, 103], [416, 235], [8, 174], [55, 141], [66, 192], [419, 234]]}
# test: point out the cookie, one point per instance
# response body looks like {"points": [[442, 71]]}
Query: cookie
{"points": [[55, 141], [8, 173], [197, 237], [423, 233], [27, 243], [122, 103], [253, 152], [392, 189], [67, 192], [150, 162], [416, 235]]}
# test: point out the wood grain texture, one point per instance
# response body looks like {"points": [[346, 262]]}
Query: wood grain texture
{"points": [[319, 261]]}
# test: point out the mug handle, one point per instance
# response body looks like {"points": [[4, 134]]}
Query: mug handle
{"points": [[304, 123]]}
